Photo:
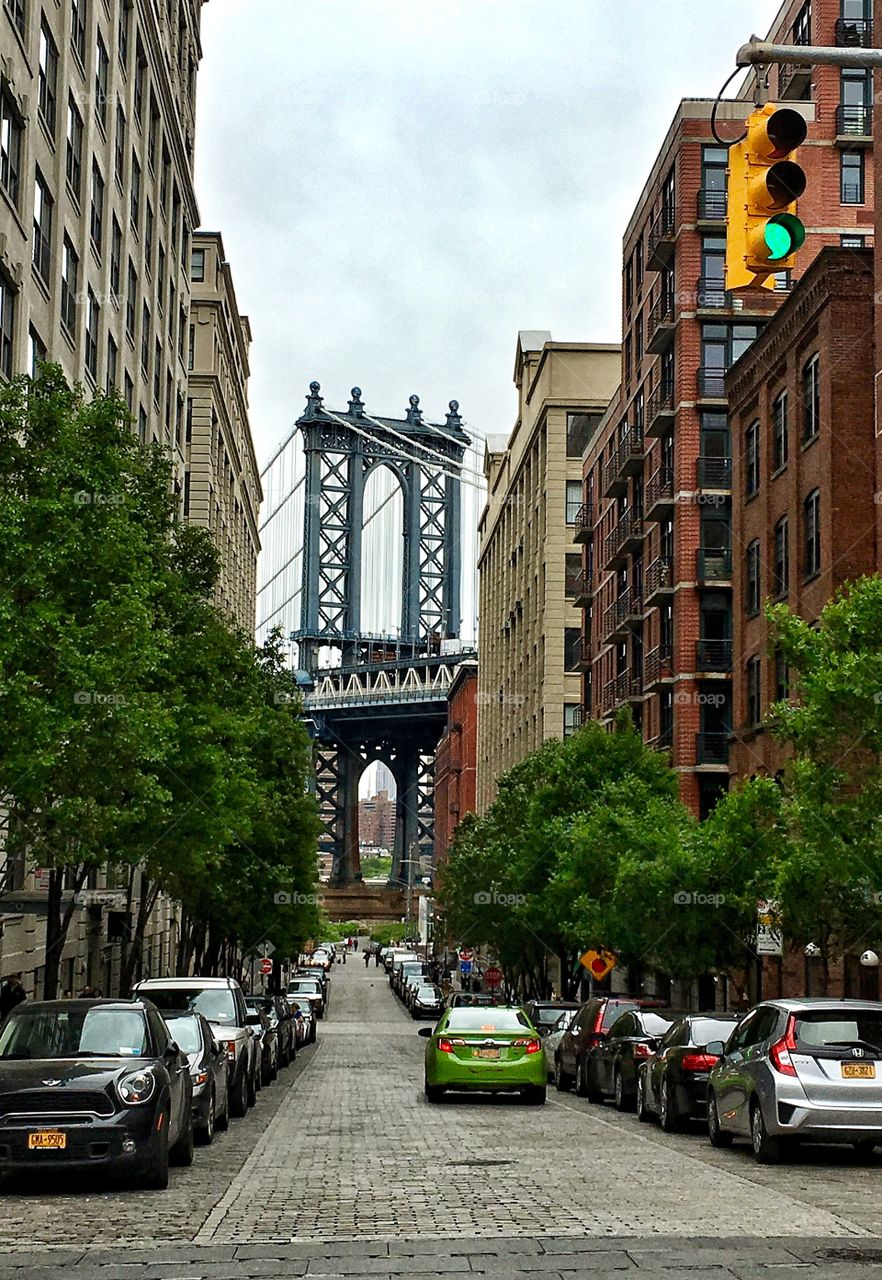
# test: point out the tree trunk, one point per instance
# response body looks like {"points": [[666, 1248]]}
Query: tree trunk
{"points": [[58, 924], [135, 951]]}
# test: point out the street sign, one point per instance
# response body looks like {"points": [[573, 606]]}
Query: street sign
{"points": [[598, 963], [266, 966], [493, 976], [465, 955], [769, 936], [266, 948], [465, 967]]}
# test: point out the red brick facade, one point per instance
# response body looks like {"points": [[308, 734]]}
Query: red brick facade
{"points": [[456, 760]]}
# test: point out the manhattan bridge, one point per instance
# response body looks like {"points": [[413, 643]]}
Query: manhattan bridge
{"points": [[361, 570]]}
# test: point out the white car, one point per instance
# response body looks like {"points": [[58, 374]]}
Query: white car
{"points": [[553, 1039]]}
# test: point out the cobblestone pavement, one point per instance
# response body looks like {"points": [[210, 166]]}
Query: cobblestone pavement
{"points": [[344, 1169]]}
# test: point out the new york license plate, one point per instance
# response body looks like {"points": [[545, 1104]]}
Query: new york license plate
{"points": [[47, 1140], [859, 1070], [485, 1053]]}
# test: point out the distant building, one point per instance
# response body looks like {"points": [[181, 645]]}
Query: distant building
{"points": [[376, 821], [456, 759]]}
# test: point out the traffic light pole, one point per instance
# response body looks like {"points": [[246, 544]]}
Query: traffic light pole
{"points": [[762, 53]]}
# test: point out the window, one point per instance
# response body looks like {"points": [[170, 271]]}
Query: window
{"points": [[135, 197], [160, 275], [129, 392], [802, 27], [48, 77], [11, 133], [157, 373], [142, 424], [713, 268], [852, 242], [851, 177], [782, 677], [638, 342], [629, 283], [752, 579], [185, 243], [751, 459], [7, 324], [163, 178], [186, 493], [74, 147], [781, 566], [115, 257], [96, 221], [36, 351], [179, 423], [42, 228], [119, 145], [145, 339], [16, 11], [191, 349], [779, 432], [811, 514], [638, 263], [574, 500], [168, 404], [131, 300], [752, 691], [112, 363], [91, 345], [580, 428], [152, 134], [102, 70], [811, 399], [140, 65], [572, 715], [189, 419], [148, 235], [182, 331], [572, 648], [714, 162], [197, 270], [125, 10], [70, 268], [78, 28]]}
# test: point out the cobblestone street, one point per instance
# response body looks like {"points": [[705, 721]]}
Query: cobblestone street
{"points": [[344, 1169]]}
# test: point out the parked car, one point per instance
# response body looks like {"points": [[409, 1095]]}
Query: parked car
{"points": [[428, 1002], [304, 1019], [552, 1039], [592, 1021], [672, 1084], [310, 989], [94, 1083], [280, 1015], [321, 959], [403, 973], [315, 971], [221, 1002], [208, 1073], [465, 999], [267, 1037], [412, 984], [614, 1061], [544, 1014], [808, 1069], [484, 1049], [397, 953]]}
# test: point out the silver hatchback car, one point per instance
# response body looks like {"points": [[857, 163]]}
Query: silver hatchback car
{"points": [[799, 1069]]}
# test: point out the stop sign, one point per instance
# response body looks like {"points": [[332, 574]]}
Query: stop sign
{"points": [[493, 976], [266, 966]]}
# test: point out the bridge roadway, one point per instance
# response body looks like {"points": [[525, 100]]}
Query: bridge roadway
{"points": [[343, 1169]]}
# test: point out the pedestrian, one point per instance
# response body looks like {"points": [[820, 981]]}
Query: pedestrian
{"points": [[355, 944], [367, 958], [11, 994], [377, 955], [86, 993]]}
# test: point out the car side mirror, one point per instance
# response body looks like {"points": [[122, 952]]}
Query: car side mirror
{"points": [[172, 1050], [425, 1032], [716, 1049]]}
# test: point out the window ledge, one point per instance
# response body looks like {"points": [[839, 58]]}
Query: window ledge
{"points": [[779, 471], [808, 441]]}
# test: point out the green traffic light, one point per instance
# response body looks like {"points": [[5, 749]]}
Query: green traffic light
{"points": [[783, 234]]}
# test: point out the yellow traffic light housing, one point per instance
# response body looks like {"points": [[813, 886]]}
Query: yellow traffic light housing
{"points": [[765, 182]]}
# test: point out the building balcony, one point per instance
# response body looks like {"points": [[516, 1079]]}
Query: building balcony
{"points": [[713, 564], [711, 295], [711, 383], [627, 460], [622, 615], [854, 125], [712, 206], [586, 652], [583, 522], [661, 324], [658, 667], [854, 33], [713, 473], [581, 590], [658, 581], [660, 410], [626, 537], [713, 655], [712, 748], [664, 741], [658, 500], [662, 235], [794, 81], [629, 686]]}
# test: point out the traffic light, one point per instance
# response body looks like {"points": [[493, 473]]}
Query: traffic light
{"points": [[765, 182]]}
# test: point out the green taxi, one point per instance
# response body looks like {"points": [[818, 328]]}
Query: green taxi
{"points": [[487, 1049]]}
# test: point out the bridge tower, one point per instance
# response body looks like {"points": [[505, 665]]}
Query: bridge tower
{"points": [[378, 696]]}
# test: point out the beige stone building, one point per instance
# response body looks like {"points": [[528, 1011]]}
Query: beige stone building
{"points": [[222, 488], [530, 637]]}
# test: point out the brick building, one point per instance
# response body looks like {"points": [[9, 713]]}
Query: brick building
{"points": [[803, 477], [656, 524], [376, 821], [456, 759]]}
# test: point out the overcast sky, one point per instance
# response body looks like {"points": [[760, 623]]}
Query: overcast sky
{"points": [[402, 185]]}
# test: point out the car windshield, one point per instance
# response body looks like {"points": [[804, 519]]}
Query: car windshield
{"points": [[465, 1019], [545, 1015], [427, 993], [705, 1030], [654, 1025], [303, 1005], [75, 1033], [817, 1028], [185, 1033], [304, 985], [214, 1003]]}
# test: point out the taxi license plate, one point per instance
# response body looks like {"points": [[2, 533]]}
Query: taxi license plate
{"points": [[485, 1053], [859, 1070], [47, 1140]]}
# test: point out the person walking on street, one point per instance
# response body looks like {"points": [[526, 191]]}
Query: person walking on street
{"points": [[11, 994], [367, 958], [377, 955]]}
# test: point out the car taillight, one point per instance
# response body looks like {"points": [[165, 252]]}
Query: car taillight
{"points": [[528, 1045], [642, 1051], [230, 1047], [698, 1061], [781, 1050], [445, 1045]]}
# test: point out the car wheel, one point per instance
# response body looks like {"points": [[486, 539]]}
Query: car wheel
{"points": [[642, 1112], [582, 1088], [535, 1094], [240, 1101], [205, 1135], [562, 1079], [222, 1120], [433, 1092], [716, 1136], [154, 1174], [182, 1152], [253, 1086], [767, 1149], [667, 1109]]}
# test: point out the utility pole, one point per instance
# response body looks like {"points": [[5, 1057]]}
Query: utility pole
{"points": [[761, 53]]}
